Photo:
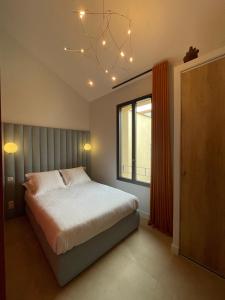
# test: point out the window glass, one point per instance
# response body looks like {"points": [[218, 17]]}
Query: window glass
{"points": [[126, 142], [134, 137], [143, 140]]}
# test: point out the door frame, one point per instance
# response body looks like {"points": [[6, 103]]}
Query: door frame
{"points": [[2, 240], [178, 70]]}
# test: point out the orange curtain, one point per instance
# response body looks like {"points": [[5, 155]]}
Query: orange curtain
{"points": [[161, 201]]}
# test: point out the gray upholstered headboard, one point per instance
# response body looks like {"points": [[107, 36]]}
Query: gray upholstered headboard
{"points": [[39, 149]]}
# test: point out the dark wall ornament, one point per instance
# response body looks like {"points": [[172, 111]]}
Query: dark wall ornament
{"points": [[191, 54]]}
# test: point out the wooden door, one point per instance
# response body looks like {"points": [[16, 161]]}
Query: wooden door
{"points": [[202, 234]]}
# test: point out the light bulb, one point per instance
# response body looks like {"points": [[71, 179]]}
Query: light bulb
{"points": [[129, 31], [87, 147], [122, 54], [82, 50], [103, 43], [131, 59], [82, 14], [113, 78], [90, 83], [10, 147], [106, 71]]}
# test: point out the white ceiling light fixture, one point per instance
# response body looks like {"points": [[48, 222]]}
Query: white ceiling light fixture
{"points": [[105, 36]]}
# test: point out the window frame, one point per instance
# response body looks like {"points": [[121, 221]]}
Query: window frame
{"points": [[118, 108]]}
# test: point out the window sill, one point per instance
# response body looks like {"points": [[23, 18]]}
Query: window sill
{"points": [[134, 181]]}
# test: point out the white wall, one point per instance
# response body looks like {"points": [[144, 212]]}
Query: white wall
{"points": [[103, 133], [32, 94]]}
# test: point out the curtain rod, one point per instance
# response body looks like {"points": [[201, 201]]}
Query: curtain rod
{"points": [[132, 78]]}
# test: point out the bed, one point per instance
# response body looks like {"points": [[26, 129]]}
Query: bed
{"points": [[78, 224]]}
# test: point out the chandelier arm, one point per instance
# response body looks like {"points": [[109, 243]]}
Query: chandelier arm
{"points": [[107, 12], [120, 15], [106, 29], [86, 34], [123, 44], [113, 39], [102, 65], [76, 50], [114, 64], [130, 46], [103, 29], [94, 38], [100, 35], [95, 52], [93, 57]]}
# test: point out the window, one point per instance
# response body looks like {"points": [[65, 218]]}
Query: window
{"points": [[134, 140]]}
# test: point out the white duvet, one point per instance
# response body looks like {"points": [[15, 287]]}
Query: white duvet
{"points": [[71, 216]]}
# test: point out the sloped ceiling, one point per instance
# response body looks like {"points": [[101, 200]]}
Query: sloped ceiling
{"points": [[161, 30]]}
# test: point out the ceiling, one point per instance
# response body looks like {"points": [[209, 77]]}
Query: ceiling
{"points": [[161, 30]]}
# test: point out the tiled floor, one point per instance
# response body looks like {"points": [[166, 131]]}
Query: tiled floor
{"points": [[141, 267]]}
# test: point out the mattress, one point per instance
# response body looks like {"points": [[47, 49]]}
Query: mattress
{"points": [[69, 217]]}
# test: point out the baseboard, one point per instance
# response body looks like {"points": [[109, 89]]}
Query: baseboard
{"points": [[144, 218], [144, 215], [175, 249]]}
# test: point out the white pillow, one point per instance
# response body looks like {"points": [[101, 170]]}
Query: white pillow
{"points": [[28, 186], [74, 176], [42, 182]]}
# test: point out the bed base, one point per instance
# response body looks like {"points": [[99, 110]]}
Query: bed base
{"points": [[68, 265]]}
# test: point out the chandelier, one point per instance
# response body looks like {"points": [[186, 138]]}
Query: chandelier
{"points": [[104, 43]]}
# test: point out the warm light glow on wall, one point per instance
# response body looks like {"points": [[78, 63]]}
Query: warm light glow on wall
{"points": [[87, 147], [10, 147]]}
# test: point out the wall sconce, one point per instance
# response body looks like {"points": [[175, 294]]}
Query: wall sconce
{"points": [[10, 147], [87, 147]]}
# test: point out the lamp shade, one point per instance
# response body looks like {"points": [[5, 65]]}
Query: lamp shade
{"points": [[10, 147], [87, 147]]}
